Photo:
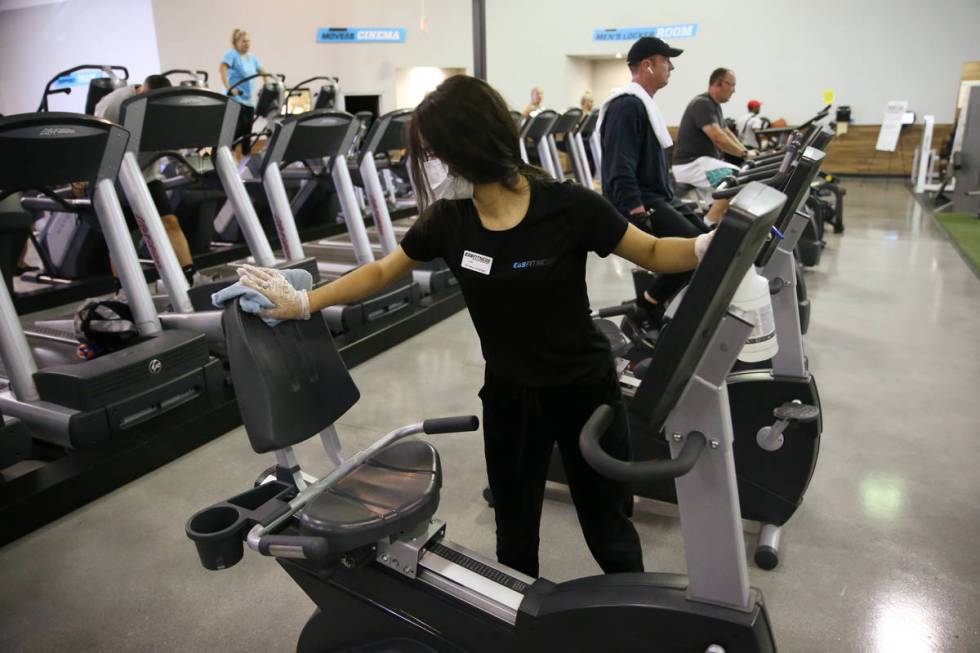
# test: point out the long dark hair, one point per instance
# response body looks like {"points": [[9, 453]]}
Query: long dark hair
{"points": [[466, 124]]}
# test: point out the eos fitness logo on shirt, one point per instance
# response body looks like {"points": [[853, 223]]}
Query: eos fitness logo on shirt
{"points": [[537, 263]]}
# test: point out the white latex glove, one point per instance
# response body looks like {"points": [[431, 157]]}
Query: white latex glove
{"points": [[291, 304], [701, 244]]}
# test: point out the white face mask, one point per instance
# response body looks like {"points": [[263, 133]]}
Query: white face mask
{"points": [[444, 185]]}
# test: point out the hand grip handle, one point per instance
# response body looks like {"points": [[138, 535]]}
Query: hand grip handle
{"points": [[313, 549], [632, 472], [456, 424], [612, 311]]}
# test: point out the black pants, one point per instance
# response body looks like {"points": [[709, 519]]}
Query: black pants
{"points": [[520, 427], [668, 221], [243, 129], [160, 198]]}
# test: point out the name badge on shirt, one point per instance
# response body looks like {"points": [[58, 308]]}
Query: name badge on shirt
{"points": [[476, 262]]}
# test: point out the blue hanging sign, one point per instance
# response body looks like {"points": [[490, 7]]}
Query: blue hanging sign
{"points": [[685, 31], [360, 35]]}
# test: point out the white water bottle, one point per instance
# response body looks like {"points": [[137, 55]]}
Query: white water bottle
{"points": [[753, 298]]}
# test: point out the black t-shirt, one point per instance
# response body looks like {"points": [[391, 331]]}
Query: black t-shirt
{"points": [[525, 286], [692, 142], [634, 165]]}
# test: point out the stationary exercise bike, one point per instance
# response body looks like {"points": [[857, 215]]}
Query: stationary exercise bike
{"points": [[363, 542], [775, 407]]}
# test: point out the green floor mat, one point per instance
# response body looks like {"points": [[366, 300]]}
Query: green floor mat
{"points": [[964, 231]]}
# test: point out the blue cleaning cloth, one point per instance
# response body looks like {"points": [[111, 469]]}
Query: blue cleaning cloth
{"points": [[253, 301]]}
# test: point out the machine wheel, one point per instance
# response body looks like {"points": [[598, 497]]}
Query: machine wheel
{"points": [[266, 473], [766, 557], [488, 496]]}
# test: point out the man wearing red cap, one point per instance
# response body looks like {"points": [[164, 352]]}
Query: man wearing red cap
{"points": [[747, 124]]}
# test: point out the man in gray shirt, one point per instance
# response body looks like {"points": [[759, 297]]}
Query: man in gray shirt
{"points": [[702, 137], [108, 107]]}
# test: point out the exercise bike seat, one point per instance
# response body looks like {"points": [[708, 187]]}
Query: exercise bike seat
{"points": [[389, 494]]}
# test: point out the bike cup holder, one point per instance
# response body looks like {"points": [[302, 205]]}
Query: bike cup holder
{"points": [[219, 530]]}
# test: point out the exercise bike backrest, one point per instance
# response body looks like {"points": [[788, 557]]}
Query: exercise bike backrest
{"points": [[289, 379]]}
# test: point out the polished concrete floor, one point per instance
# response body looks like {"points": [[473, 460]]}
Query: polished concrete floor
{"points": [[882, 557]]}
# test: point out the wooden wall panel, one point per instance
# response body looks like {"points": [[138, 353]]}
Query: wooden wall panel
{"points": [[854, 152], [971, 71]]}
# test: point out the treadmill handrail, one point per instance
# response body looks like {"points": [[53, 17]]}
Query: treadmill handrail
{"points": [[282, 78], [199, 75], [296, 87], [43, 106]]}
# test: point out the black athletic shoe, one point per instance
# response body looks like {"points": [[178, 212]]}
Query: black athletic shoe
{"points": [[642, 326]]}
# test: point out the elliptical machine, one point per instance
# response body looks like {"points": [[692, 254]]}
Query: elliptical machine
{"points": [[363, 544]]}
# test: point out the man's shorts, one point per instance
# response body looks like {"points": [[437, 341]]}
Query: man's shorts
{"points": [[704, 172]]}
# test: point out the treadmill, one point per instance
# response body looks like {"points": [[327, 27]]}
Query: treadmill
{"points": [[314, 145], [162, 122], [72, 267], [563, 126], [69, 403], [387, 134], [582, 133], [534, 133], [15, 450]]}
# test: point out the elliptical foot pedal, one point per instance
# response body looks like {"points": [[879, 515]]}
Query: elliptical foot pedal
{"points": [[797, 412]]}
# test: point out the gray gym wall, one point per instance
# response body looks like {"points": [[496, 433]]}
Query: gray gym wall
{"points": [[38, 38], [195, 33], [784, 53]]}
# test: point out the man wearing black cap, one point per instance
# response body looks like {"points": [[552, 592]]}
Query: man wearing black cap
{"points": [[635, 173]]}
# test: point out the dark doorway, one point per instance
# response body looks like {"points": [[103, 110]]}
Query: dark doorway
{"points": [[356, 103]]}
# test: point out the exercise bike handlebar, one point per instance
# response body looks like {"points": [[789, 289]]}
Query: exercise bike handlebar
{"points": [[314, 549], [731, 186], [613, 311], [759, 174], [820, 116], [770, 156], [634, 472], [459, 424]]}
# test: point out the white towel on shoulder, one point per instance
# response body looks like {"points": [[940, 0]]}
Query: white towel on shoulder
{"points": [[653, 111]]}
